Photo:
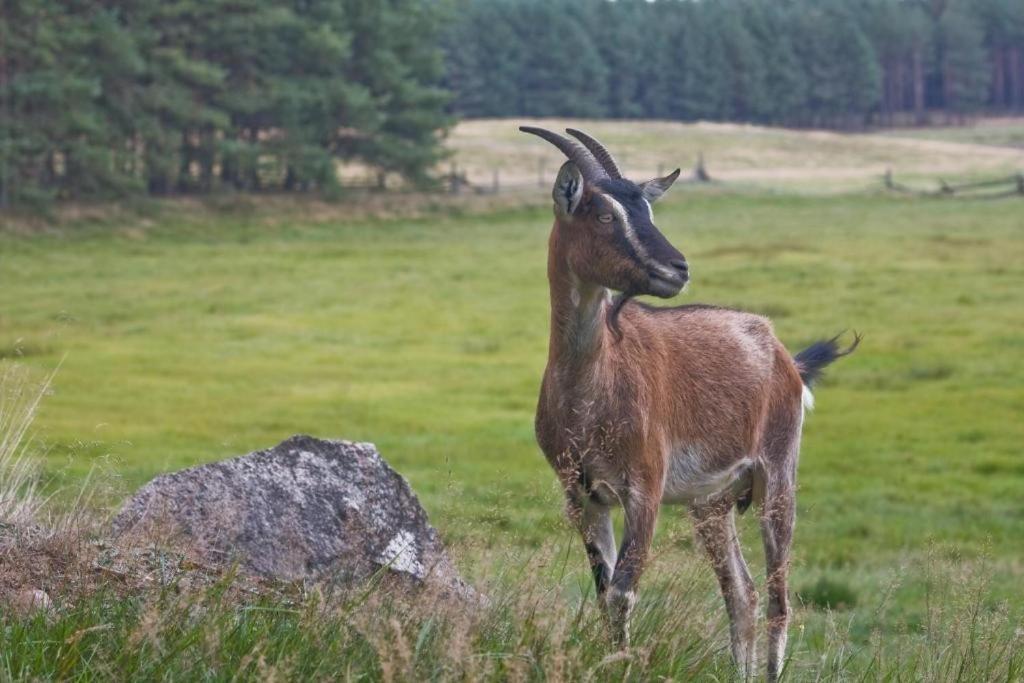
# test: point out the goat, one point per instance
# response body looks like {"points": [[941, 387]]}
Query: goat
{"points": [[639, 406]]}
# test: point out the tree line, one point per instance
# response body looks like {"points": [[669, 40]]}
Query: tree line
{"points": [[107, 99], [822, 63]]}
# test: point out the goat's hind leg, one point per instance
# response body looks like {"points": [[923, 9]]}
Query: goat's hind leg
{"points": [[777, 477], [715, 528]]}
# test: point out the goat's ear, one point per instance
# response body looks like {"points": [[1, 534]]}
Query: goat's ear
{"points": [[568, 189], [653, 189]]}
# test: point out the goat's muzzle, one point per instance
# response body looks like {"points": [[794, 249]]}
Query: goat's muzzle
{"points": [[667, 282]]}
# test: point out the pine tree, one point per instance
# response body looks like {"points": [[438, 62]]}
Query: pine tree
{"points": [[484, 59], [745, 68], [396, 55], [1003, 22], [783, 95], [662, 61], [173, 90], [562, 72], [30, 99], [622, 40], [703, 92], [67, 101], [964, 68], [860, 71]]}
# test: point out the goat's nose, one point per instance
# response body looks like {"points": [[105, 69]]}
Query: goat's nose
{"points": [[680, 265]]}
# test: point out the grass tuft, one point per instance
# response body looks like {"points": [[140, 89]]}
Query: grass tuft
{"points": [[20, 500]]}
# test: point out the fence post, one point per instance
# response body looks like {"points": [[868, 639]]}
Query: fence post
{"points": [[887, 179], [1020, 183], [700, 172], [540, 172], [495, 185]]}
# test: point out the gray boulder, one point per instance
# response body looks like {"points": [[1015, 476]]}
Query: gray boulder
{"points": [[307, 509]]}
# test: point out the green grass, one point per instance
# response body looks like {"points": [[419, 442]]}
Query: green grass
{"points": [[195, 339]]}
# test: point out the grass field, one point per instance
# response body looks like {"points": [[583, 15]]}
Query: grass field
{"points": [[187, 339]]}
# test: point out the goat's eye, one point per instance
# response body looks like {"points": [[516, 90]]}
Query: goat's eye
{"points": [[605, 217]]}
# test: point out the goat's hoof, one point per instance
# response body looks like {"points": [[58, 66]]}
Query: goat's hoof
{"points": [[618, 606]]}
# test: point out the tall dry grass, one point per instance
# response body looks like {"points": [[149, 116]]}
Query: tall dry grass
{"points": [[20, 396]]}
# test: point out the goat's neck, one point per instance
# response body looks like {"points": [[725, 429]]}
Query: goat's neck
{"points": [[578, 314]]}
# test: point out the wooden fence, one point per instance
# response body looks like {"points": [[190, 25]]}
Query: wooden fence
{"points": [[996, 188]]}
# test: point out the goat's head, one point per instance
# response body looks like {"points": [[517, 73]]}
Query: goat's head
{"points": [[607, 223]]}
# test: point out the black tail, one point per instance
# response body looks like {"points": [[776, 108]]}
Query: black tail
{"points": [[812, 360]]}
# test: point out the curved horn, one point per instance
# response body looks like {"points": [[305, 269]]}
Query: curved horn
{"points": [[590, 167], [602, 155]]}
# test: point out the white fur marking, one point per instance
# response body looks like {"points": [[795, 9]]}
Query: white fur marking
{"points": [[687, 480], [808, 399], [585, 322]]}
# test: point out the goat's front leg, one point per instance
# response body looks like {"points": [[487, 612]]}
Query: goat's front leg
{"points": [[594, 522], [641, 516]]}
